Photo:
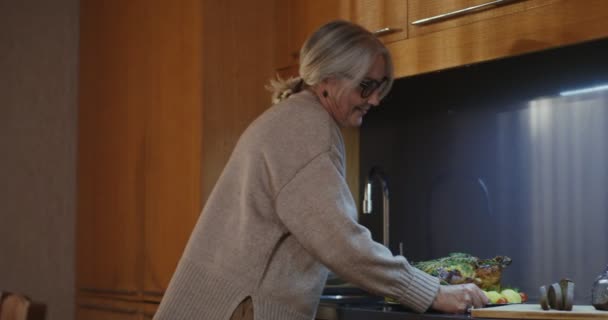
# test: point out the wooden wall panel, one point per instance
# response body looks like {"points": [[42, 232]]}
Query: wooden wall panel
{"points": [[173, 135], [238, 59], [110, 151], [140, 140]]}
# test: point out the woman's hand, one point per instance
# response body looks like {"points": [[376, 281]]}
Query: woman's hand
{"points": [[459, 298]]}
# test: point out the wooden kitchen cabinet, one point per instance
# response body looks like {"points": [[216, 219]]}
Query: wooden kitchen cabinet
{"points": [[517, 28], [297, 19], [491, 32], [419, 10], [158, 119], [151, 146], [139, 145], [110, 154], [386, 18]]}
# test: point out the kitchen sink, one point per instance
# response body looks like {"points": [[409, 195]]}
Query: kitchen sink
{"points": [[336, 298], [343, 301], [377, 311], [351, 299], [351, 304], [338, 295]]}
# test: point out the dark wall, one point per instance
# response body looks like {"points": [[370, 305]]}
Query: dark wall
{"points": [[489, 159], [38, 93]]}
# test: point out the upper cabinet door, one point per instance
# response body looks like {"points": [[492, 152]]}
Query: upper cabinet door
{"points": [[492, 32], [298, 19], [386, 18], [427, 16]]}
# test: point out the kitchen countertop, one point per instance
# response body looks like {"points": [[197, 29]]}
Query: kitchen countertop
{"points": [[382, 311], [376, 311]]}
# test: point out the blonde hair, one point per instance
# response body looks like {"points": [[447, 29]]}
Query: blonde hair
{"points": [[339, 49]]}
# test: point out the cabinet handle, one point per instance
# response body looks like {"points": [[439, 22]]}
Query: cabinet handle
{"points": [[385, 31], [462, 12]]}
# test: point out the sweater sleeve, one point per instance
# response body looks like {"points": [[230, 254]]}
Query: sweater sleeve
{"points": [[317, 208]]}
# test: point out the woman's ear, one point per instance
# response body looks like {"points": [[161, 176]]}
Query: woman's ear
{"points": [[328, 87], [331, 84]]}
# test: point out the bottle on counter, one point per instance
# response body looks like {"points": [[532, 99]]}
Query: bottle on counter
{"points": [[599, 291]]}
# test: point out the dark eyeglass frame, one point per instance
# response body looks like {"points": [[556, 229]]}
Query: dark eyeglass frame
{"points": [[368, 86]]}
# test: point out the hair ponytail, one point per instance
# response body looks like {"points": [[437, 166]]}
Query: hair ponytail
{"points": [[281, 88]]}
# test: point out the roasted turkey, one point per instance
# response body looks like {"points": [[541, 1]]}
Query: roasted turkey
{"points": [[459, 268]]}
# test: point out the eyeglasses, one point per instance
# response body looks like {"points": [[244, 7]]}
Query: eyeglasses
{"points": [[368, 86]]}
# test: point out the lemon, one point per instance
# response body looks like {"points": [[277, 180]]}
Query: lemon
{"points": [[511, 295], [493, 296]]}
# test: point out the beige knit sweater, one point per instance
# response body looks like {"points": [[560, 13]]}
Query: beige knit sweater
{"points": [[280, 214]]}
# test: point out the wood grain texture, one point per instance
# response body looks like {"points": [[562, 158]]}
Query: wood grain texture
{"points": [[419, 9], [534, 311], [110, 150], [140, 143], [375, 15], [166, 90], [173, 136], [556, 24], [297, 20], [238, 57]]}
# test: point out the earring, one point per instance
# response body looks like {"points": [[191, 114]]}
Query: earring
{"points": [[325, 94]]}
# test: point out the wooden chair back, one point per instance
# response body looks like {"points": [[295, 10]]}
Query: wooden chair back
{"points": [[15, 306]]}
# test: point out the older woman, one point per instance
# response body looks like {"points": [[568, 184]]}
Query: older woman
{"points": [[281, 213]]}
